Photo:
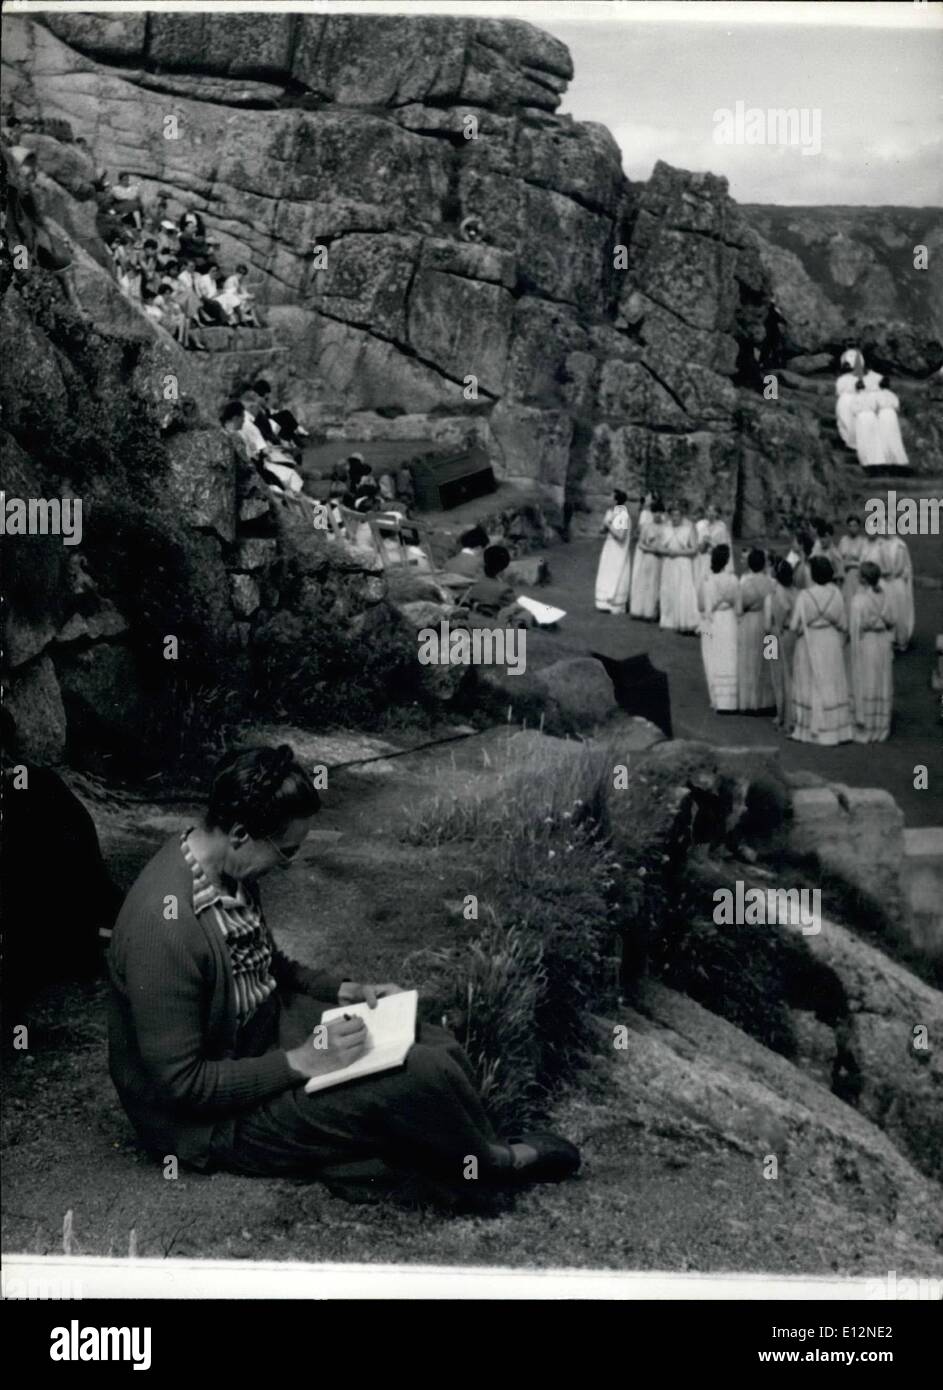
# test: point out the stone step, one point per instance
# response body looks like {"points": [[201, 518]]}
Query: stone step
{"points": [[237, 339], [922, 877]]}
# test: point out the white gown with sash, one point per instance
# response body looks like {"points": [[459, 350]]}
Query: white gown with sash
{"points": [[871, 664], [898, 572], [614, 575], [677, 594], [892, 444], [821, 703], [646, 569], [719, 604], [868, 440]]}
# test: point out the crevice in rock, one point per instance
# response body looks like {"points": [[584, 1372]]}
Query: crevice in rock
{"points": [[708, 236], [695, 327], [405, 349], [152, 82], [665, 387]]}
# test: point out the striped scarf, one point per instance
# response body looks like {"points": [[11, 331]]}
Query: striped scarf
{"points": [[243, 928]]}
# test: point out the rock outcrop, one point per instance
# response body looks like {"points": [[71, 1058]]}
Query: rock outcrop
{"points": [[154, 630], [692, 1078], [436, 244]]}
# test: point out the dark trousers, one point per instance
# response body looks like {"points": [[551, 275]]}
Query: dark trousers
{"points": [[213, 312], [426, 1115]]}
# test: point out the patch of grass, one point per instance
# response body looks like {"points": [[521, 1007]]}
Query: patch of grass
{"points": [[543, 783], [489, 990], [521, 990]]}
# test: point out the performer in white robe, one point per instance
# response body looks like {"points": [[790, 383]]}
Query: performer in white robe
{"points": [[868, 440], [851, 550], [754, 680], [824, 544], [844, 407], [845, 387], [777, 613], [718, 600], [871, 630], [888, 406], [614, 575], [898, 583], [677, 598], [872, 548], [821, 701], [711, 532], [646, 568]]}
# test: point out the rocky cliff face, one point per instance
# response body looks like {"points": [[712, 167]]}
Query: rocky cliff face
{"points": [[446, 257], [148, 637], [443, 257]]}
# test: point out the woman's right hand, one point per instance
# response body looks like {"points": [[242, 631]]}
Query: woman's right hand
{"points": [[331, 1047]]}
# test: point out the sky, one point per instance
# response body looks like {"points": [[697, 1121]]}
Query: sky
{"points": [[657, 87]]}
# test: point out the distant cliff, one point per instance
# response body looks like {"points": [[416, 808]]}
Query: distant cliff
{"points": [[849, 274]]}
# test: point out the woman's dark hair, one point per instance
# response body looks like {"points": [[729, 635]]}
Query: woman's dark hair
{"points": [[261, 387], [620, 497], [475, 538], [496, 558], [851, 517], [870, 573], [242, 269], [784, 574], [757, 560], [719, 557], [806, 542], [232, 410], [262, 789], [821, 569], [657, 505]]}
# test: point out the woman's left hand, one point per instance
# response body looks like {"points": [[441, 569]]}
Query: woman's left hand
{"points": [[352, 992]]}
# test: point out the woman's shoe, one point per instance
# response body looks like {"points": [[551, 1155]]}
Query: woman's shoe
{"points": [[556, 1160]]}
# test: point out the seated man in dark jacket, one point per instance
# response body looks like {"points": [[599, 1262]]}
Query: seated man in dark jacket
{"points": [[210, 1032]]}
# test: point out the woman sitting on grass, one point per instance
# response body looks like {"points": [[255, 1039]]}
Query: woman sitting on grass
{"points": [[211, 1025]]}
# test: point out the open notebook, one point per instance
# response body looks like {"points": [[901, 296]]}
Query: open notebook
{"points": [[544, 614], [391, 1030]]}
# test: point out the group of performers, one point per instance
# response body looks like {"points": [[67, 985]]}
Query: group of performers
{"points": [[811, 635], [671, 556], [866, 413]]}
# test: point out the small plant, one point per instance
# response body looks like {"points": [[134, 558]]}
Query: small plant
{"points": [[522, 992]]}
